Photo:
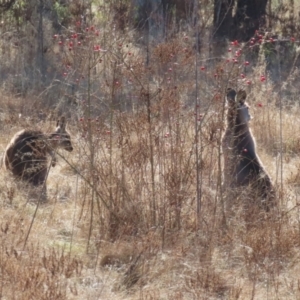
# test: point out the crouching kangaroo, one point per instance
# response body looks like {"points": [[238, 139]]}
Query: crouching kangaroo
{"points": [[26, 156], [242, 166]]}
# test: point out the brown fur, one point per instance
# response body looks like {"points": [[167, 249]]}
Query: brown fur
{"points": [[26, 156], [242, 166]]}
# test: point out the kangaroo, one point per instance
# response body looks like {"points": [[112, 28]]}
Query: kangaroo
{"points": [[242, 166], [26, 156]]}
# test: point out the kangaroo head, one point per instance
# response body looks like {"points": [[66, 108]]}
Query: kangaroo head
{"points": [[61, 137], [243, 108], [238, 106]]}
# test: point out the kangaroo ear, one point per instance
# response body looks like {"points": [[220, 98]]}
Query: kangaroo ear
{"points": [[61, 123], [230, 95], [241, 96]]}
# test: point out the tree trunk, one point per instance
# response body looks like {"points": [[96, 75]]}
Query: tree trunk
{"points": [[40, 42], [163, 16], [223, 18], [249, 17]]}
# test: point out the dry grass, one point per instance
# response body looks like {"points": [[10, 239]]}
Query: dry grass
{"points": [[120, 254], [121, 219]]}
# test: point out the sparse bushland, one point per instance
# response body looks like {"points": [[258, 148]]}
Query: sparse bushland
{"points": [[137, 211]]}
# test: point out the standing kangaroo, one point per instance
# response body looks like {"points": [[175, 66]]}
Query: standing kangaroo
{"points": [[26, 156], [242, 166]]}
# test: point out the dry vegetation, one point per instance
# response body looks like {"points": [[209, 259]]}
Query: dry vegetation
{"points": [[136, 211]]}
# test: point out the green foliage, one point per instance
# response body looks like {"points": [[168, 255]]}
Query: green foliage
{"points": [[279, 54], [62, 12], [16, 12]]}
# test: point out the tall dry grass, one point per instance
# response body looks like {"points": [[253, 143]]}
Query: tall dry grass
{"points": [[125, 218]]}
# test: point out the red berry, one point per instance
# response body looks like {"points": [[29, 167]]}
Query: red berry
{"points": [[246, 63], [243, 75], [259, 105], [96, 48], [262, 78], [202, 68], [55, 36], [248, 82]]}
